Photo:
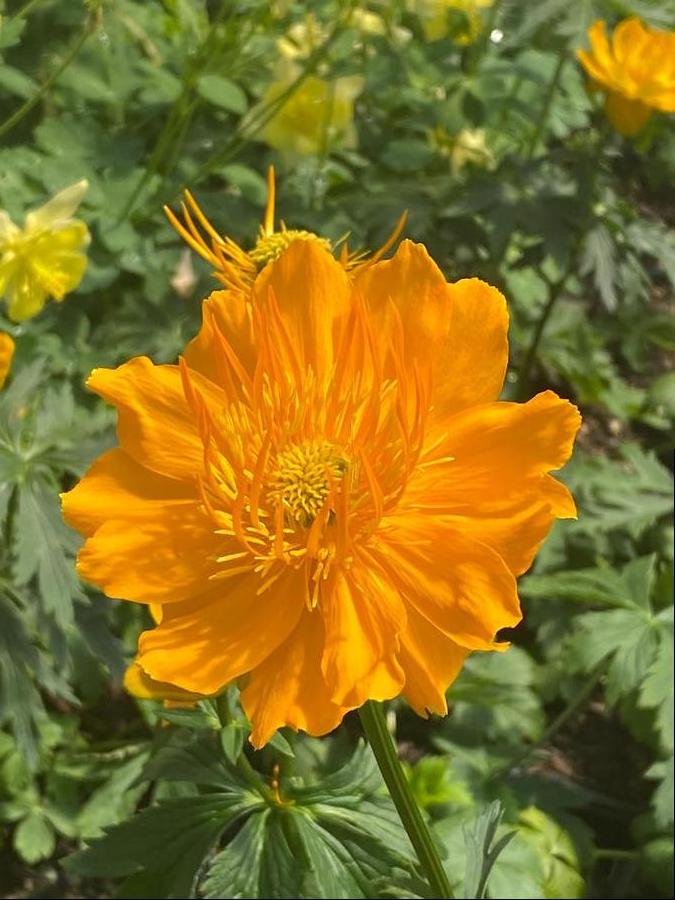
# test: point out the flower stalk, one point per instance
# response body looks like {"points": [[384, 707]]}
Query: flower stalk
{"points": [[375, 728]]}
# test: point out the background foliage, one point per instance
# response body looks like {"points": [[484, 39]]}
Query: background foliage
{"points": [[572, 730]]}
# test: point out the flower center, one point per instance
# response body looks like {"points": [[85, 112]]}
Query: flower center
{"points": [[304, 477], [269, 246]]}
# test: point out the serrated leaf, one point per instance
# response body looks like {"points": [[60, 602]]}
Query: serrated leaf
{"points": [[115, 799], [598, 259], [235, 871], [171, 839], [196, 758], [482, 851], [44, 547], [628, 636], [657, 688]]}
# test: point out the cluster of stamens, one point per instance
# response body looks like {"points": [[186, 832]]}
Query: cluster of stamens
{"points": [[304, 477], [270, 246]]}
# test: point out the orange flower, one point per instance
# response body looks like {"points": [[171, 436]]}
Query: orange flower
{"points": [[636, 69], [324, 496], [6, 354], [237, 268]]}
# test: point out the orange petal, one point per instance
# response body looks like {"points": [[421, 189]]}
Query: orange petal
{"points": [[602, 55], [431, 662], [628, 116], [363, 616], [227, 312], [139, 684], [313, 293], [516, 535], [472, 360], [628, 45], [488, 454], [164, 557], [288, 688], [558, 497], [460, 328], [202, 645], [461, 586], [155, 425], [118, 487]]}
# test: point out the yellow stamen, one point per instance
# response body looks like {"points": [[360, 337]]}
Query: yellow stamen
{"points": [[303, 479], [269, 246]]}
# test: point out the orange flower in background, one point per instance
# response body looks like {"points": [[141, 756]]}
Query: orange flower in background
{"points": [[6, 355], [324, 498], [636, 69], [237, 268]]}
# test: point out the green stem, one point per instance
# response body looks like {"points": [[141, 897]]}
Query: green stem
{"points": [[375, 728], [26, 107], [546, 108], [25, 9], [530, 354], [223, 707]]}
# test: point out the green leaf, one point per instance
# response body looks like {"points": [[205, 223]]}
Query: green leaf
{"points": [[196, 758], [34, 837], [481, 851], [598, 258], [250, 182], [630, 493], [628, 636], [44, 546], [281, 745], [115, 799], [235, 871], [223, 93], [232, 739], [495, 697], [171, 839], [657, 689], [662, 800], [14, 81]]}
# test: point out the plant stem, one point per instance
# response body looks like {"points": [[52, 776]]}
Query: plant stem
{"points": [[375, 728], [26, 107], [531, 352], [546, 108], [223, 707]]}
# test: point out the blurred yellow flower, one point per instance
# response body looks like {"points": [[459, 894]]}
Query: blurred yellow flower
{"points": [[437, 23], [237, 268], [6, 354], [303, 37], [469, 147], [636, 68], [318, 114], [45, 258]]}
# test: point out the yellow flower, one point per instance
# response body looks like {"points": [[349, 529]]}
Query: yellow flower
{"points": [[436, 22], [45, 258], [324, 497], [237, 268], [6, 354], [318, 114], [469, 147], [636, 69]]}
